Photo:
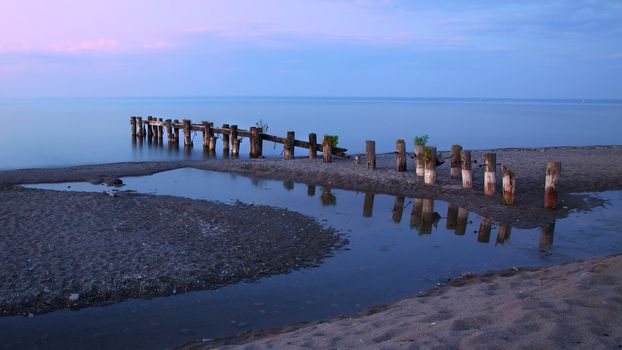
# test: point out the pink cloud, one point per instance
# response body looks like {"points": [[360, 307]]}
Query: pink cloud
{"points": [[89, 45], [158, 45]]}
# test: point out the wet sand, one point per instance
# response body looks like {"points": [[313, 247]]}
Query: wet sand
{"points": [[570, 306]]}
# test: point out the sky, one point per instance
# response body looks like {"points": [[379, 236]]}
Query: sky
{"points": [[397, 48]]}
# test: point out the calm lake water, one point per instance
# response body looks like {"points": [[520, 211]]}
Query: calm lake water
{"points": [[59, 132], [395, 250]]}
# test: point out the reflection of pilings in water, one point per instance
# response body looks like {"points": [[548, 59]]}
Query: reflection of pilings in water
{"points": [[368, 205], [398, 208], [255, 181], [288, 185], [415, 215], [504, 233], [327, 197], [485, 226], [461, 221], [134, 141], [427, 216], [310, 190], [452, 217], [546, 236]]}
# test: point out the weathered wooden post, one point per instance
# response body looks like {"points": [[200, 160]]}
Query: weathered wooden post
{"points": [[327, 149], [141, 127], [368, 205], [553, 169], [133, 126], [310, 190], [212, 139], [490, 174], [452, 217], [415, 215], [259, 143], [455, 161], [509, 186], [465, 160], [149, 128], [169, 131], [461, 223], [206, 133], [176, 131], [398, 209], [427, 216], [187, 133], [161, 129], [225, 138], [235, 142], [400, 155], [253, 152], [288, 148], [504, 233], [546, 235], [430, 166], [313, 146], [370, 154], [485, 226], [420, 159]]}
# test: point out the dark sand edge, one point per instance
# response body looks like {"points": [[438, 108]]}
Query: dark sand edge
{"points": [[584, 169], [72, 250], [434, 298]]}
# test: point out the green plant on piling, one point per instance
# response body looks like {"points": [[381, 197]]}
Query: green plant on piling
{"points": [[263, 125], [334, 139], [422, 140]]}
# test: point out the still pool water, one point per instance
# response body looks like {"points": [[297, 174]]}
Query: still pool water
{"points": [[396, 250], [65, 131]]}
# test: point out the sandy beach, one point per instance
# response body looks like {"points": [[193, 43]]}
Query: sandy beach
{"points": [[82, 249]]}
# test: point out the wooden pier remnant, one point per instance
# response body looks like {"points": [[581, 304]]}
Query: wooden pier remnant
{"points": [[368, 205], [288, 149], [187, 133], [490, 173], [313, 145], [430, 166], [553, 169], [327, 149], [253, 142], [133, 126], [420, 159], [141, 127], [212, 139], [176, 131], [235, 141], [225, 138], [509, 186], [465, 160], [370, 154], [206, 135], [400, 154], [455, 161]]}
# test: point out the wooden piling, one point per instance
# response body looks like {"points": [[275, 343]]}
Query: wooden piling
{"points": [[288, 149], [553, 169], [368, 205], [465, 161], [452, 217], [400, 155], [490, 173], [415, 215], [430, 166], [462, 221], [420, 159], [455, 161], [133, 126], [235, 142], [161, 130], [253, 152], [175, 131], [504, 233], [509, 186], [206, 134], [225, 139], [327, 149], [370, 154], [187, 133], [313, 145], [398, 209], [141, 127], [212, 139], [149, 128], [259, 143], [427, 216], [485, 227], [547, 232]]}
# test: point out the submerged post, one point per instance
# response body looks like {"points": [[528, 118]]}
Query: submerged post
{"points": [[212, 138], [176, 131], [400, 155], [430, 166], [206, 133], [455, 161], [253, 152], [465, 160], [553, 169], [235, 142], [169, 131], [490, 174], [149, 128], [288, 149], [312, 145], [133, 126], [187, 133], [141, 128], [327, 149], [161, 129], [259, 143], [225, 138], [509, 186], [370, 154], [419, 159]]}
